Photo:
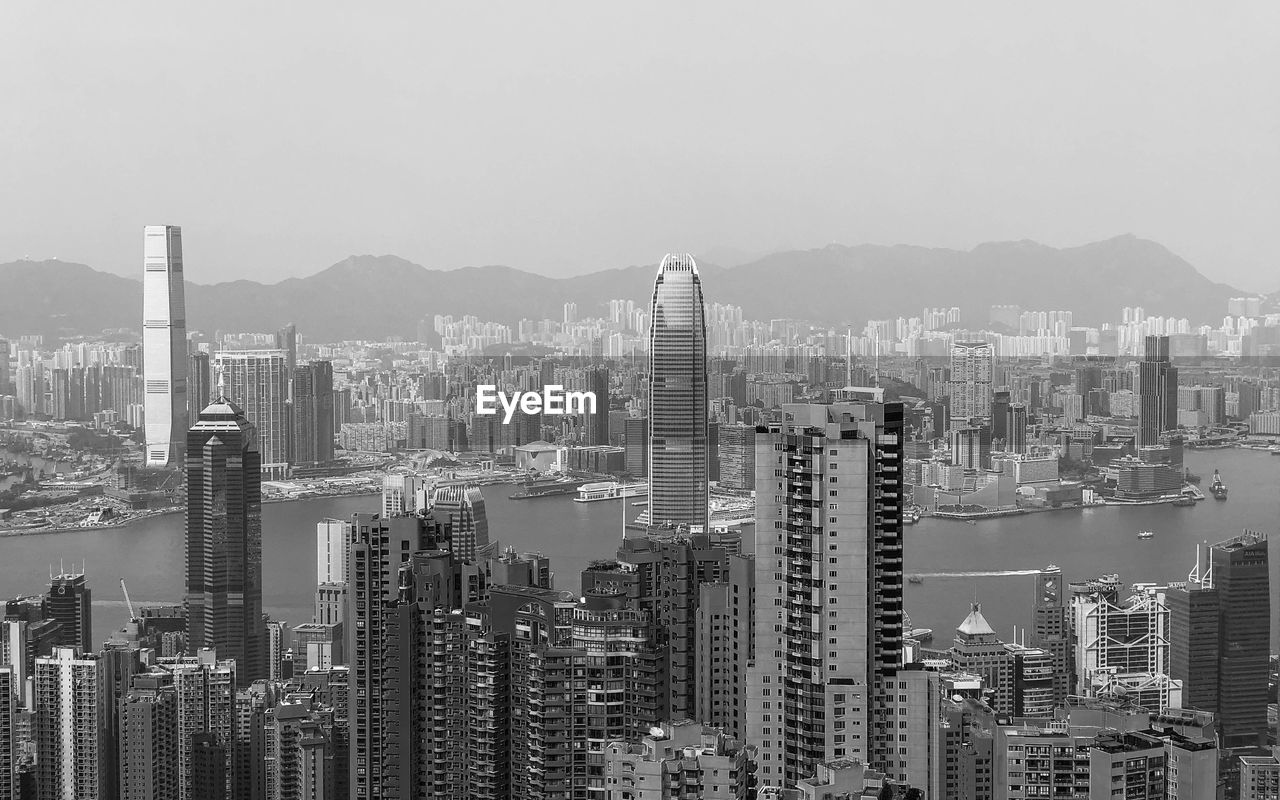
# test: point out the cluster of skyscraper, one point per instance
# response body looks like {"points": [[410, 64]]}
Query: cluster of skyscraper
{"points": [[685, 668]]}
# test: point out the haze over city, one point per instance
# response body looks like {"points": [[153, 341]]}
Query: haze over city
{"points": [[569, 138]]}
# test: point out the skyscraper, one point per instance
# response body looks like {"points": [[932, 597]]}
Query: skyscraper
{"points": [[224, 539], [1221, 624], [462, 506], [287, 341], [971, 376], [70, 603], [257, 381], [312, 438], [164, 344], [597, 424], [70, 714], [829, 589], [331, 571], [149, 752], [199, 384], [678, 396], [1157, 392], [1052, 630], [8, 742]]}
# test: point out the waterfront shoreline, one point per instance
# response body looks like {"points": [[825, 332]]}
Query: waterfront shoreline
{"points": [[14, 533]]}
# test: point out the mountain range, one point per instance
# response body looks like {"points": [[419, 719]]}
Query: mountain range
{"points": [[372, 297]]}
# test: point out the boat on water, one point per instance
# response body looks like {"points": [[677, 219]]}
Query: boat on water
{"points": [[921, 635], [609, 490], [1218, 489], [915, 579], [1184, 502], [1146, 534]]}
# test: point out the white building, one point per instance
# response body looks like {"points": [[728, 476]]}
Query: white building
{"points": [[164, 345]]}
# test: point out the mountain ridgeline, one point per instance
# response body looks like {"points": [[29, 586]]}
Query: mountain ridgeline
{"points": [[373, 297]]}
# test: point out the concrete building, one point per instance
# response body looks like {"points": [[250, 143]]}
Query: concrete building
{"points": [[978, 651], [70, 603], [149, 749], [724, 630], [70, 714], [972, 371], [257, 382], [331, 571], [828, 616], [738, 457], [678, 761]]}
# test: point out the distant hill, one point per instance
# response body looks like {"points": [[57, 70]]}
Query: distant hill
{"points": [[378, 296]]}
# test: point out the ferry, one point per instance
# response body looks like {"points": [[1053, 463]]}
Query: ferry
{"points": [[915, 579], [1146, 534], [609, 490], [1218, 489]]}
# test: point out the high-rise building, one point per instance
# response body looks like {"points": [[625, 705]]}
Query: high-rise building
{"points": [[224, 539], [662, 573], [149, 751], [164, 344], [206, 689], [287, 342], [1051, 631], [331, 571], [972, 370], [724, 631], [299, 754], [313, 429], [978, 651], [257, 381], [1157, 392], [737, 452], [199, 384], [636, 442], [829, 588], [678, 403], [1221, 624], [70, 604], [9, 692], [70, 713], [462, 507], [1122, 645], [376, 541], [597, 424]]}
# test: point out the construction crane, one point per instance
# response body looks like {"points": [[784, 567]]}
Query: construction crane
{"points": [[132, 616]]}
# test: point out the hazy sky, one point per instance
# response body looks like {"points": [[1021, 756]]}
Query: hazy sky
{"points": [[567, 137]]}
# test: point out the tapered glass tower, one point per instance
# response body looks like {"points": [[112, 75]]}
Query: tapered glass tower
{"points": [[164, 345], [678, 396]]}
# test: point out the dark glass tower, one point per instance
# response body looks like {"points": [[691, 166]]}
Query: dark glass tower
{"points": [[1157, 391], [71, 604], [678, 396], [224, 539], [1220, 647], [312, 438]]}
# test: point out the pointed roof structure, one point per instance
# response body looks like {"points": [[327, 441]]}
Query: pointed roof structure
{"points": [[975, 624]]}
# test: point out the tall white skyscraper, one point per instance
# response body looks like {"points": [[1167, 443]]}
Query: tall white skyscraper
{"points": [[164, 345]]}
